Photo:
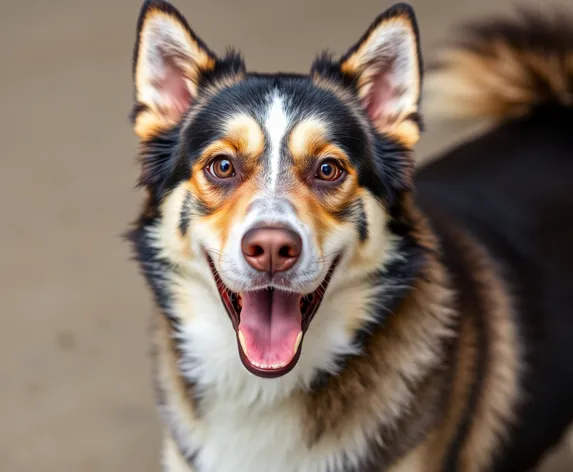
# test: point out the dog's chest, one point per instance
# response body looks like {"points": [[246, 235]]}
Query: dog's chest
{"points": [[274, 441], [270, 440]]}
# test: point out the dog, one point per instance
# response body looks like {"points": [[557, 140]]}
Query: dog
{"points": [[324, 304]]}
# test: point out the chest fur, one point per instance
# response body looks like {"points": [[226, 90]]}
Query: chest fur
{"points": [[271, 442], [268, 440]]}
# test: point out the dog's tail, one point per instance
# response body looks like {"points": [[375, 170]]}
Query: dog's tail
{"points": [[503, 68]]}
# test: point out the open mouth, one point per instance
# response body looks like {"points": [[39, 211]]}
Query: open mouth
{"points": [[270, 324]]}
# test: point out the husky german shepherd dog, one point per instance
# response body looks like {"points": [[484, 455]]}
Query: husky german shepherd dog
{"points": [[321, 305]]}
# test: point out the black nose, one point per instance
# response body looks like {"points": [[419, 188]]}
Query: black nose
{"points": [[271, 249]]}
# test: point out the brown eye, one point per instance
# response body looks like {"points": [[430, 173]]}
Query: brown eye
{"points": [[221, 167], [329, 171]]}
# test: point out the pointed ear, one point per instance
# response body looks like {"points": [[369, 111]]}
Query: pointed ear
{"points": [[386, 67], [168, 62]]}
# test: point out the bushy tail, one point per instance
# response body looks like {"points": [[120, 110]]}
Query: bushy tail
{"points": [[502, 68]]}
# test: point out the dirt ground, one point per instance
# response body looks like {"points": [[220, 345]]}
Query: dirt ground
{"points": [[75, 386]]}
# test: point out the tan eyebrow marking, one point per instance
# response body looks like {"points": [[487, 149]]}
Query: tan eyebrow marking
{"points": [[307, 138], [245, 134]]}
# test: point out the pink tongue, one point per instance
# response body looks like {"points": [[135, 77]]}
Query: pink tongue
{"points": [[270, 325]]}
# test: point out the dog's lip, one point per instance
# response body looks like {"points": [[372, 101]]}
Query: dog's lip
{"points": [[226, 297]]}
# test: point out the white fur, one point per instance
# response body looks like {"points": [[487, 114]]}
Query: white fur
{"points": [[238, 275], [276, 125], [250, 424], [270, 207]]}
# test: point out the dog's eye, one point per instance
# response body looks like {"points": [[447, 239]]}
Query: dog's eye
{"points": [[221, 167], [329, 170]]}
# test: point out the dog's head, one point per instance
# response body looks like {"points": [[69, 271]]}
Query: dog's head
{"points": [[274, 192]]}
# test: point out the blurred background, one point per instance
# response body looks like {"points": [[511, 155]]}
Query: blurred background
{"points": [[75, 383]]}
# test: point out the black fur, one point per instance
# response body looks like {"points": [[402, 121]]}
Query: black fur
{"points": [[167, 158], [152, 265], [511, 188], [186, 211], [159, 163], [362, 222]]}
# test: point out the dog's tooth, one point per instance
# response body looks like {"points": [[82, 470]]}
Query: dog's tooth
{"points": [[297, 342], [277, 365], [243, 342]]}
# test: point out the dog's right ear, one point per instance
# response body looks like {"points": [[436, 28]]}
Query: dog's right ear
{"points": [[167, 65]]}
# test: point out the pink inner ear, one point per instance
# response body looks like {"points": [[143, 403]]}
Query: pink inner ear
{"points": [[174, 90], [378, 101]]}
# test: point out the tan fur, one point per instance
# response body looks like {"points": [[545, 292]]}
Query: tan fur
{"points": [[476, 86], [246, 136], [395, 364], [230, 209], [369, 256], [495, 410], [498, 395], [308, 143], [489, 77], [307, 138], [243, 142], [407, 133], [462, 376], [414, 461]]}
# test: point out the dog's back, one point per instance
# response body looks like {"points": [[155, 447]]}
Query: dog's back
{"points": [[512, 188]]}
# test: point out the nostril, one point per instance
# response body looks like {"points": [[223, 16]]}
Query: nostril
{"points": [[287, 252], [255, 251]]}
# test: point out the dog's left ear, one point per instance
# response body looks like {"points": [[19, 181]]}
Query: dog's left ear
{"points": [[385, 66], [169, 61]]}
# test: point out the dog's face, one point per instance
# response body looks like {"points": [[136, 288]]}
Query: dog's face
{"points": [[274, 190]]}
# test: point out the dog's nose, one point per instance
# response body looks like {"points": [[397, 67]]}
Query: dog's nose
{"points": [[271, 250]]}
